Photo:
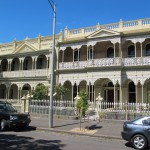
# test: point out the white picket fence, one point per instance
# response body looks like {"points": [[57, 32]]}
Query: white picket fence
{"points": [[68, 108], [122, 107]]}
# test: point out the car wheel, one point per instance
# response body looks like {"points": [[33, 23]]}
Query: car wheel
{"points": [[139, 142], [3, 124]]}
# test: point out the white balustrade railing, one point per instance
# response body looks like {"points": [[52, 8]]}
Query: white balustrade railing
{"points": [[90, 29], [130, 23], [111, 26], [25, 73], [104, 62], [118, 26], [145, 21]]}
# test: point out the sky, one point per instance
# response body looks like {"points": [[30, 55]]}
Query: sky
{"points": [[29, 18]]}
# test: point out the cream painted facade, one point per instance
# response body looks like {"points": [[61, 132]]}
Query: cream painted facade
{"points": [[112, 59], [24, 65]]}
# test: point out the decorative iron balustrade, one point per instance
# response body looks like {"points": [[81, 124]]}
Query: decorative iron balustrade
{"points": [[105, 62]]}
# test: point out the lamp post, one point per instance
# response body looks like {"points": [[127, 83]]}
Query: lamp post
{"points": [[53, 6]]}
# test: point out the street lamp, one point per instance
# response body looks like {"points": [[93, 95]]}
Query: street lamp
{"points": [[53, 6]]}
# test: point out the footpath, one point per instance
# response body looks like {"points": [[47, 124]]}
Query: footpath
{"points": [[104, 128]]}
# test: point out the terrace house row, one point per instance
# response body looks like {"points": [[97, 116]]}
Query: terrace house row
{"points": [[111, 59]]}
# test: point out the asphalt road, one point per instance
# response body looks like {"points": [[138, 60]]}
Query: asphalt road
{"points": [[41, 140]]}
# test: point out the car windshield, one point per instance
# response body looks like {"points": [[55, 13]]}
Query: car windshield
{"points": [[7, 107]]}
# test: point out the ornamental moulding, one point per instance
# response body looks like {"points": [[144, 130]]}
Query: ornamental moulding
{"points": [[73, 45], [136, 39], [113, 40]]}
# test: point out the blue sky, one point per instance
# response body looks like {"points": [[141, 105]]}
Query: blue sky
{"points": [[29, 18]]}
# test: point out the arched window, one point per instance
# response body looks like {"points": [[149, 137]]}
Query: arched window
{"points": [[131, 92], [76, 55], [131, 51], [90, 54], [25, 64], [110, 52], [148, 50], [15, 64], [74, 91], [4, 65]]}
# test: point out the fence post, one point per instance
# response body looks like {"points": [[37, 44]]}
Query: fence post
{"points": [[126, 104], [23, 99], [27, 103], [99, 103]]}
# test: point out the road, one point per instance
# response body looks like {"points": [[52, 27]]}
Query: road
{"points": [[41, 140]]}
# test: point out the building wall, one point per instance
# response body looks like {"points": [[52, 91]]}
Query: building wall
{"points": [[97, 74]]}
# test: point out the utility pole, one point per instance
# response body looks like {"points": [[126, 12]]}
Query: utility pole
{"points": [[53, 6]]}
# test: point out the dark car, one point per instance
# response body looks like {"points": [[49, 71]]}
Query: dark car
{"points": [[10, 118], [137, 132]]}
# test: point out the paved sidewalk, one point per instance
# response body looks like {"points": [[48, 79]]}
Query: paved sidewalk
{"points": [[106, 128]]}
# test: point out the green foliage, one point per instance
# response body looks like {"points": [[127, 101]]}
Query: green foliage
{"points": [[60, 90], [82, 103], [148, 97], [41, 92]]}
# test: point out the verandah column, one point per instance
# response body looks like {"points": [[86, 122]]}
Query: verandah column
{"points": [[136, 90], [142, 93], [141, 50], [120, 50], [35, 63], [114, 93], [92, 52], [62, 56], [89, 91], [47, 62], [92, 98], [77, 89], [120, 93], [114, 50], [135, 50], [87, 53], [9, 64], [72, 93]]}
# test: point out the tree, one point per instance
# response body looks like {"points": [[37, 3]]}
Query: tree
{"points": [[82, 104], [41, 92], [148, 97], [60, 91]]}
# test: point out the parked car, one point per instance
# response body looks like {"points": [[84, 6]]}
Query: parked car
{"points": [[10, 118], [137, 132]]}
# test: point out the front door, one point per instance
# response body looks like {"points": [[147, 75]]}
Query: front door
{"points": [[110, 96]]}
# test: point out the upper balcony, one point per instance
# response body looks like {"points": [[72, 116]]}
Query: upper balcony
{"points": [[25, 73], [106, 62]]}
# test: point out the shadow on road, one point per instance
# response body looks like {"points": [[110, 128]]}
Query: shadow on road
{"points": [[93, 127], [14, 142], [28, 129]]}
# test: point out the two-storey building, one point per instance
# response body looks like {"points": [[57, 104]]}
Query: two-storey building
{"points": [[24, 65], [111, 59]]}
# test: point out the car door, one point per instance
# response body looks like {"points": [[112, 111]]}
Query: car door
{"points": [[146, 126]]}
